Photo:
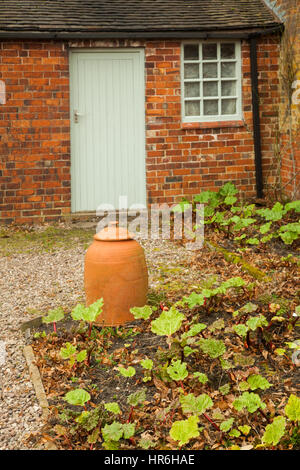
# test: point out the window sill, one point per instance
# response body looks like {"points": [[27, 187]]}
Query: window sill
{"points": [[212, 124]]}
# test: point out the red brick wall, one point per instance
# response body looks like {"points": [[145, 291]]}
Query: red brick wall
{"points": [[35, 139], [290, 122]]}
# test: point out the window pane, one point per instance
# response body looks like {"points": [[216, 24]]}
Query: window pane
{"points": [[210, 107], [191, 71], [209, 51], [228, 69], [210, 89], [227, 51], [229, 106], [210, 70], [228, 88], [191, 52], [191, 89], [192, 108]]}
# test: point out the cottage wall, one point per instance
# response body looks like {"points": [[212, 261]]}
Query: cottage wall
{"points": [[289, 130], [181, 160]]}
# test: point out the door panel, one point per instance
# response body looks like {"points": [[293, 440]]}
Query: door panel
{"points": [[108, 129]]}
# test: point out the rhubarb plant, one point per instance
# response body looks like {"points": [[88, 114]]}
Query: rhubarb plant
{"points": [[185, 430], [88, 314], [54, 316], [70, 352], [167, 323]]}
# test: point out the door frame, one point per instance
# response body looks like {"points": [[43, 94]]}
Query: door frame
{"points": [[141, 53]]}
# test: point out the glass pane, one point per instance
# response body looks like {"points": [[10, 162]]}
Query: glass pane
{"points": [[228, 69], [209, 51], [191, 71], [210, 70], [229, 106], [228, 88], [191, 52], [192, 108], [191, 90], [210, 89], [227, 51], [210, 107]]}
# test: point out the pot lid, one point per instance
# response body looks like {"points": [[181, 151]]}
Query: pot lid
{"points": [[113, 233]]}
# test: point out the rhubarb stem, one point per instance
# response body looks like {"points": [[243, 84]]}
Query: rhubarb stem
{"points": [[212, 422]]}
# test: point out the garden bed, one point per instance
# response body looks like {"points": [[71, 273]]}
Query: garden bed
{"points": [[146, 409]]}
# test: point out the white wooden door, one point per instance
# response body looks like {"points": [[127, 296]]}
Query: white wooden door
{"points": [[107, 128]]}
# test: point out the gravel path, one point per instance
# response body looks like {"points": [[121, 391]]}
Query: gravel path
{"points": [[32, 283]]}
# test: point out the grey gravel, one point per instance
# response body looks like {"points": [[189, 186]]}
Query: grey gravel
{"points": [[32, 283]]}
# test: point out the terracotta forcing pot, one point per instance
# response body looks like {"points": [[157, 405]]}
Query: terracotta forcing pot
{"points": [[115, 269]]}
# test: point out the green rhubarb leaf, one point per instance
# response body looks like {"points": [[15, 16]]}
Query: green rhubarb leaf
{"points": [[194, 300], [112, 432], [77, 312], [241, 330], [213, 347], [257, 381], [147, 364], [274, 431], [141, 312], [294, 205], [197, 405], [146, 443], [185, 430], [228, 189], [93, 311], [129, 372], [88, 314], [77, 397], [255, 322], [54, 316], [265, 228], [226, 425], [234, 433], [250, 401], [292, 409], [252, 241], [81, 356], [193, 331], [245, 429], [225, 389], [201, 377], [128, 430], [167, 323], [137, 397], [177, 370], [242, 360], [113, 408], [68, 351]]}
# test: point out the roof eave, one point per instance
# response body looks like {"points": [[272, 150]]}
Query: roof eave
{"points": [[242, 33]]}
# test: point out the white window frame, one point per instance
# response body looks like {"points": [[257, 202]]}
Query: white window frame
{"points": [[220, 117]]}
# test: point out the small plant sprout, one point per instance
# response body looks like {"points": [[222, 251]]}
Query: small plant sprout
{"points": [[78, 397], [177, 371], [274, 431], [129, 372], [292, 409], [135, 399], [147, 364], [167, 323], [141, 312], [202, 378], [213, 347], [54, 316], [185, 430], [88, 314], [70, 352], [198, 405], [113, 408]]}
